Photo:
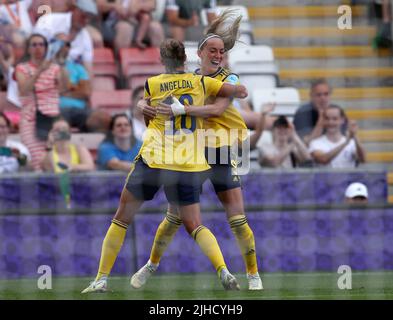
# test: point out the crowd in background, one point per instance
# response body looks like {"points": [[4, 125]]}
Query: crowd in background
{"points": [[48, 60]]}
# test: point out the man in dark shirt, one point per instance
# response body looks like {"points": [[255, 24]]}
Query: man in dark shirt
{"points": [[308, 118]]}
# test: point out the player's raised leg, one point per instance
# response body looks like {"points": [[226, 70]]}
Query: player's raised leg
{"points": [[164, 236], [114, 239]]}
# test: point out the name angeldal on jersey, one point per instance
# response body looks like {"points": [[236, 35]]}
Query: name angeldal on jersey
{"points": [[172, 85]]}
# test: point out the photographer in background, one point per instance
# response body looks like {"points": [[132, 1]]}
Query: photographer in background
{"points": [[13, 155], [62, 154]]}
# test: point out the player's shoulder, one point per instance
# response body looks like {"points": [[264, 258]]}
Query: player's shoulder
{"points": [[225, 75]]}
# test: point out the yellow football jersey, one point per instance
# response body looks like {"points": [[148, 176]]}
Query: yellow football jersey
{"points": [[230, 125], [177, 143]]}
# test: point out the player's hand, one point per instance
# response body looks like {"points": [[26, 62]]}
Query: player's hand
{"points": [[241, 92], [148, 111], [174, 109]]}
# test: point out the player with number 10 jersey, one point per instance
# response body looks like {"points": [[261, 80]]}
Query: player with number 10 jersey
{"points": [[177, 143]]}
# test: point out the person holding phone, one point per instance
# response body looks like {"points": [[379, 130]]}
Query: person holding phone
{"points": [[63, 155], [13, 154]]}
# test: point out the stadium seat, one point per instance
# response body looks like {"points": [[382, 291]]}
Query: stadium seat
{"points": [[103, 83], [136, 62], [105, 70], [255, 65], [111, 101], [5, 105], [14, 117], [104, 66], [103, 56], [137, 74], [193, 61], [287, 100], [90, 140], [134, 56]]}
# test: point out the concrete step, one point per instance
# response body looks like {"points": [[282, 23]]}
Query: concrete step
{"points": [[341, 82], [377, 147], [380, 157], [308, 11], [310, 63], [362, 104], [304, 22], [374, 124], [342, 77], [376, 166], [314, 41], [328, 52], [262, 3], [320, 32], [355, 93], [335, 73], [314, 36], [377, 136]]}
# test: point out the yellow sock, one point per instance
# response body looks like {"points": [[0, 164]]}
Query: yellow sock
{"points": [[164, 235], [111, 246], [209, 246], [245, 240]]}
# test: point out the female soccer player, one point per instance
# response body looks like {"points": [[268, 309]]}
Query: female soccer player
{"points": [[221, 117], [170, 156]]}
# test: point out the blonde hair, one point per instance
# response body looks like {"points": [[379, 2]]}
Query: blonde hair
{"points": [[226, 27]]}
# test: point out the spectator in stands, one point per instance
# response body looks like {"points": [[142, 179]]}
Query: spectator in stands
{"points": [[287, 150], [63, 154], [333, 149], [16, 14], [39, 83], [136, 115], [356, 193], [120, 147], [308, 119], [71, 27], [13, 154], [183, 15], [74, 100], [383, 38], [128, 22], [6, 56], [10, 53], [39, 8]]}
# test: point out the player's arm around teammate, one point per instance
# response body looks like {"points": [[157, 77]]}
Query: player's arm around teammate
{"points": [[227, 186]]}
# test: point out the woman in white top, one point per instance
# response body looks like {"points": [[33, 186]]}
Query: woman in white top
{"points": [[333, 149]]}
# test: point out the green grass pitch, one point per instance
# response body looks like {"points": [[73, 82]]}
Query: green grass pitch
{"points": [[365, 285]]}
